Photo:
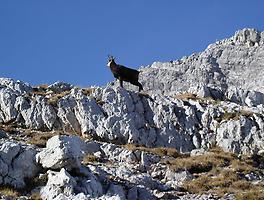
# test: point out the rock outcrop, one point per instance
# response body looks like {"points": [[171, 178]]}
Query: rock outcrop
{"points": [[229, 65], [17, 163], [121, 116], [115, 143]]}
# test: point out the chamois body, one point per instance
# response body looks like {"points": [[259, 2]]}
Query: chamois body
{"points": [[123, 73]]}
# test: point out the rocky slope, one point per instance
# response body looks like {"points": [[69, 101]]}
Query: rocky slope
{"points": [[197, 128]]}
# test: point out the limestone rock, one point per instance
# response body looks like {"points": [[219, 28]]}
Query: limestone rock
{"points": [[232, 62], [7, 103], [16, 86], [62, 151], [61, 185], [211, 98], [139, 192], [114, 153], [17, 162], [245, 97], [38, 114], [176, 179], [240, 136], [58, 183], [79, 113], [59, 87]]}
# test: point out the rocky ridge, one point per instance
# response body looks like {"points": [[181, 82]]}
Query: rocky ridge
{"points": [[115, 143]]}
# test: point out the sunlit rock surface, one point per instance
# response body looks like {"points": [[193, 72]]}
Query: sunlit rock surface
{"points": [[115, 143]]}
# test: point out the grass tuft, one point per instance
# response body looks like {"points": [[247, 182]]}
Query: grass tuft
{"points": [[35, 196], [8, 191], [186, 96], [160, 151], [88, 91], [90, 158], [235, 115], [221, 173], [53, 100], [202, 163], [40, 138]]}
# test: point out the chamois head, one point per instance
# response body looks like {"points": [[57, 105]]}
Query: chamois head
{"points": [[111, 60]]}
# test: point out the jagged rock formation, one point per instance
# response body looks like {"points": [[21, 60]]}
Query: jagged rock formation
{"points": [[213, 98], [121, 116], [231, 67], [17, 162]]}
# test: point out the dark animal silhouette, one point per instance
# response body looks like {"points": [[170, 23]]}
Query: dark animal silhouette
{"points": [[123, 73]]}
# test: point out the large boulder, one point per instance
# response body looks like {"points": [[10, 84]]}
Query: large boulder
{"points": [[62, 151], [58, 183], [62, 185], [17, 163]]}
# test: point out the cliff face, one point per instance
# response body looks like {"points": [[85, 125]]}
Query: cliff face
{"points": [[234, 62], [213, 99]]}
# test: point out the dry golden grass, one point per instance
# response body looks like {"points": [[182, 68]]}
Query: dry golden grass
{"points": [[9, 192], [52, 97], [223, 177], [34, 137], [35, 196], [202, 163], [88, 91], [39, 138], [186, 96], [53, 100], [160, 151], [100, 102], [43, 86], [246, 113], [242, 166], [252, 194], [230, 115], [90, 158], [235, 115], [40, 90], [12, 193], [227, 181], [8, 128]]}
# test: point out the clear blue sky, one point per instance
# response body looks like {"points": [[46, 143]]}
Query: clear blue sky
{"points": [[42, 41]]}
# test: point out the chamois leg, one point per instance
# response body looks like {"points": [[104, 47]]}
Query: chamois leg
{"points": [[140, 87], [136, 83], [121, 82]]}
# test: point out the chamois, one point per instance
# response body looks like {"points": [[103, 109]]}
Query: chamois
{"points": [[123, 73]]}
